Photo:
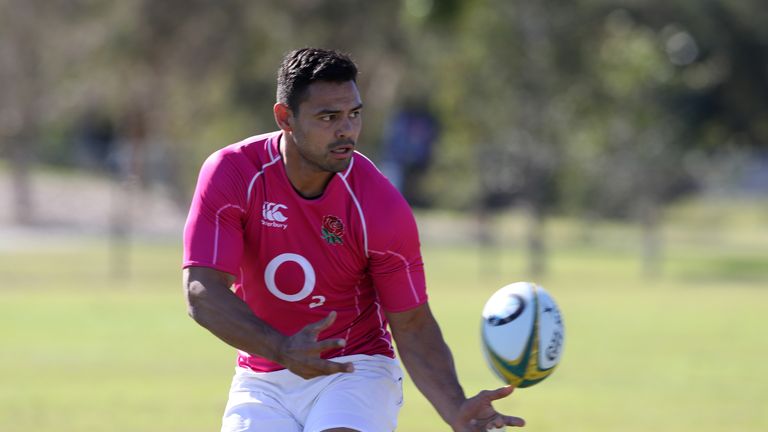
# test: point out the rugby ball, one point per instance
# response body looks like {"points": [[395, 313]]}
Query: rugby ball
{"points": [[522, 334]]}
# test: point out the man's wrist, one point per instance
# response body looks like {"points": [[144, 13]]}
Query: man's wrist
{"points": [[280, 352], [454, 416]]}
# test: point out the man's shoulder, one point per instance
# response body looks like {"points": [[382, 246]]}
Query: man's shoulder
{"points": [[363, 169], [376, 193], [388, 218], [250, 153]]}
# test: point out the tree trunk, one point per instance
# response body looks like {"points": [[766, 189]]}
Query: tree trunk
{"points": [[24, 99], [21, 184], [484, 234], [651, 237], [537, 254]]}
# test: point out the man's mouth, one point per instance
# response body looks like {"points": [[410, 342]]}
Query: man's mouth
{"points": [[343, 150]]}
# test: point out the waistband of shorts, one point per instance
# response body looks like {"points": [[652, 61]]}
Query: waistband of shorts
{"points": [[242, 371]]}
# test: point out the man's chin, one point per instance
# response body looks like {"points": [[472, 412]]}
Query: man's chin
{"points": [[338, 165]]}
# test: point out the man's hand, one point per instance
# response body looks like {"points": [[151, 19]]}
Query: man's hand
{"points": [[300, 353], [430, 364], [213, 305], [477, 414]]}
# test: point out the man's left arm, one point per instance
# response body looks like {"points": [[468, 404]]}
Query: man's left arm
{"points": [[429, 363]]}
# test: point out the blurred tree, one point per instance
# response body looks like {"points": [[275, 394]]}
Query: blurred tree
{"points": [[21, 58], [587, 107], [719, 50], [505, 72], [639, 158], [658, 81], [205, 72]]}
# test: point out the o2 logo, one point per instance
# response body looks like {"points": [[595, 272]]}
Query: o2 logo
{"points": [[309, 279]]}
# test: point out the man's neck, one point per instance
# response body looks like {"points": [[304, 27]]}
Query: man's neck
{"points": [[307, 180]]}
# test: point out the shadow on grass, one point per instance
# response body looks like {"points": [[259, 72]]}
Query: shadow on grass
{"points": [[734, 269]]}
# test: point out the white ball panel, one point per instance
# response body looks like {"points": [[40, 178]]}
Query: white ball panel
{"points": [[509, 338], [551, 331]]}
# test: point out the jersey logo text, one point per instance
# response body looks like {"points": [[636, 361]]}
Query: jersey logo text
{"points": [[273, 216]]}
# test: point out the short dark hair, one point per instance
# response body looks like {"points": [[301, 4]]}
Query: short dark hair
{"points": [[302, 67]]}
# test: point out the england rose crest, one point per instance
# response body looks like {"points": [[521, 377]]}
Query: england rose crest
{"points": [[332, 230]]}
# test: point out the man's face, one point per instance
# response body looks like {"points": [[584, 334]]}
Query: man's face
{"points": [[327, 125]]}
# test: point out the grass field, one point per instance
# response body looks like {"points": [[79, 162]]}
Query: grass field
{"points": [[81, 350]]}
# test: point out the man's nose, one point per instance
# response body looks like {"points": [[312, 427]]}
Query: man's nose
{"points": [[345, 128]]}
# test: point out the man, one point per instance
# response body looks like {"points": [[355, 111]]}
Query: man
{"points": [[299, 253]]}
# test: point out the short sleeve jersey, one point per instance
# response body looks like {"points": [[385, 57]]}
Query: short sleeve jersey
{"points": [[354, 250]]}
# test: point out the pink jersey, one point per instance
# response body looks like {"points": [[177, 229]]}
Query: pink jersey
{"points": [[354, 250]]}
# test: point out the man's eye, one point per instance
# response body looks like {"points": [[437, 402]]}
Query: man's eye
{"points": [[355, 114], [327, 117]]}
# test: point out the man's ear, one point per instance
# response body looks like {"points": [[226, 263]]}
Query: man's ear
{"points": [[283, 116]]}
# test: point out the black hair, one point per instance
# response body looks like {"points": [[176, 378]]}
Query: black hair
{"points": [[302, 67]]}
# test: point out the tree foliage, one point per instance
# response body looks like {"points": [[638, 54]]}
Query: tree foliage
{"points": [[569, 106]]}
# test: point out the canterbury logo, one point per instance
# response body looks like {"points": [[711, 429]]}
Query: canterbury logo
{"points": [[271, 212]]}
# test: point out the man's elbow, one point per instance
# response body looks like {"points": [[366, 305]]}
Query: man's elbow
{"points": [[195, 294]]}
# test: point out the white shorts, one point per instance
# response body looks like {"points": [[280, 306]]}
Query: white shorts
{"points": [[367, 400]]}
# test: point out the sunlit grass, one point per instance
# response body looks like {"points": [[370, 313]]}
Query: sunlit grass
{"points": [[87, 348]]}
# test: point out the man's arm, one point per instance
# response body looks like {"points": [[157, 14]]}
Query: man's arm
{"points": [[214, 306], [429, 362]]}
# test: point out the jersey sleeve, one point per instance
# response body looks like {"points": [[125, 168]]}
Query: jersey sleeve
{"points": [[213, 233], [394, 254]]}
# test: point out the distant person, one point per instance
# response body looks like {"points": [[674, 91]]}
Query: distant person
{"points": [[408, 143], [96, 139], [300, 253]]}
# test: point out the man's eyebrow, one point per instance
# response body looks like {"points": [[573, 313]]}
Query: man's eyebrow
{"points": [[327, 111]]}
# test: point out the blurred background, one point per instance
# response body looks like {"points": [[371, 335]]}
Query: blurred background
{"points": [[616, 151]]}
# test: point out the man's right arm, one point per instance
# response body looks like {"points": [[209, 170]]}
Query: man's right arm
{"points": [[213, 305]]}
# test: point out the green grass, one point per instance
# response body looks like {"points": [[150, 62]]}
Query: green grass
{"points": [[84, 349]]}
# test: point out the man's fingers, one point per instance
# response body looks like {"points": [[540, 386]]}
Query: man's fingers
{"points": [[328, 344], [327, 367], [499, 393], [500, 422], [342, 367], [514, 421], [323, 324]]}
